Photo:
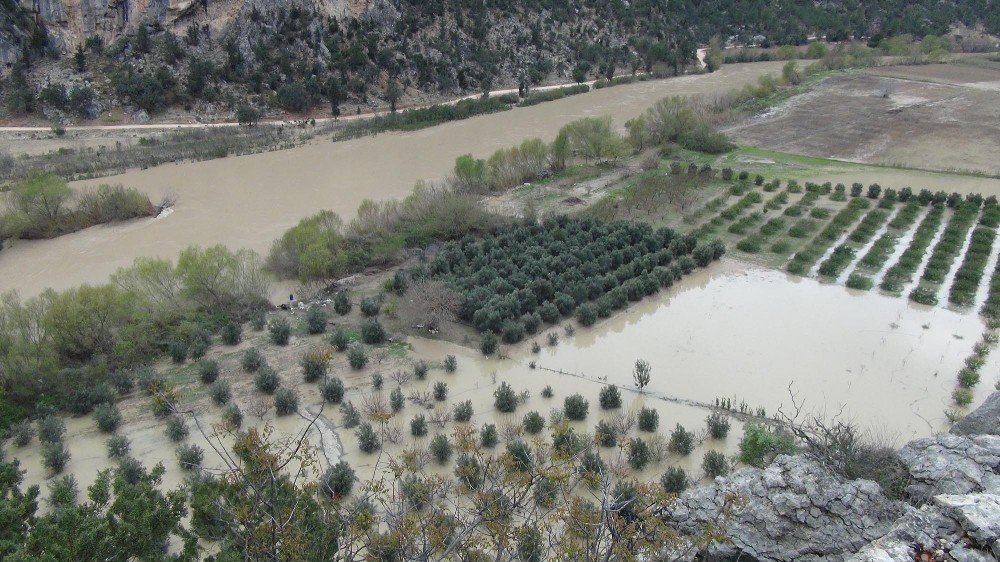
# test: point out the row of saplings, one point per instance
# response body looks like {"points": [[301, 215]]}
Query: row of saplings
{"points": [[639, 452]]}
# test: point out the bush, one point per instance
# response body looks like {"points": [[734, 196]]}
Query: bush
{"points": [[267, 380], [610, 398], [21, 433], [372, 331], [718, 426], [338, 480], [674, 480], [681, 441], [440, 448], [714, 464], [418, 426], [252, 360], [396, 400], [232, 416], [605, 435], [639, 454], [279, 330], [339, 339], [440, 391], [342, 303], [54, 456], [488, 436], [123, 381], [962, 396], [463, 411], [221, 392], [314, 366], [586, 314], [450, 363], [505, 398], [189, 457], [368, 440], [547, 392], [488, 343], [575, 407], [420, 370], [534, 423], [51, 429], [208, 371], [258, 320], [118, 446], [370, 306], [232, 333], [316, 320], [332, 390], [357, 357], [520, 455], [286, 401], [108, 417], [177, 429], [649, 419], [760, 444]]}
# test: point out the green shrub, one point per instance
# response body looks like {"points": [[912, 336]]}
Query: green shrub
{"points": [[177, 429], [316, 320], [339, 339], [371, 306], [463, 411], [396, 400], [357, 357], [968, 378], [21, 433], [714, 464], [674, 480], [420, 370], [108, 417], [533, 423], [488, 343], [252, 360], [232, 333], [352, 417], [418, 426], [279, 330], [221, 392], [441, 448], [962, 396], [372, 331], [505, 398], [760, 444], [450, 363], [681, 441], [189, 457], [338, 480], [368, 440], [332, 390], [605, 435], [440, 391], [342, 303], [649, 419], [267, 380], [718, 426], [520, 455], [54, 456], [232, 416], [639, 454], [488, 436], [286, 401], [547, 392], [208, 371], [586, 314], [122, 381], [610, 398], [51, 429], [860, 282], [118, 446], [258, 320], [575, 407], [314, 366]]}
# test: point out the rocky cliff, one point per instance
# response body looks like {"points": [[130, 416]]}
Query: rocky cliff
{"points": [[797, 509]]}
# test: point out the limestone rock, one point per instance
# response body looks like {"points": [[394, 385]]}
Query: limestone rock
{"points": [[952, 464], [985, 420], [795, 509]]}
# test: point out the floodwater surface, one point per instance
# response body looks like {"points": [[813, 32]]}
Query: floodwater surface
{"points": [[249, 201]]}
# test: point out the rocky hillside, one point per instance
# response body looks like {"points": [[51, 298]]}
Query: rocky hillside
{"points": [[801, 509], [80, 59]]}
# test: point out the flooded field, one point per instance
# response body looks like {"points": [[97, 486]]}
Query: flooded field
{"points": [[248, 201], [732, 330]]}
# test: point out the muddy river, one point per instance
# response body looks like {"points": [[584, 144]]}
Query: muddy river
{"points": [[249, 201], [736, 331]]}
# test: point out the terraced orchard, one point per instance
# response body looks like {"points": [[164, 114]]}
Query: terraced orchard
{"points": [[930, 247], [513, 281]]}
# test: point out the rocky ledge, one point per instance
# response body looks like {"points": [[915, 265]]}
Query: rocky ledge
{"points": [[797, 509]]}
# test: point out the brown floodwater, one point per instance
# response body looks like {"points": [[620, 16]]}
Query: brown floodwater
{"points": [[732, 330], [249, 201]]}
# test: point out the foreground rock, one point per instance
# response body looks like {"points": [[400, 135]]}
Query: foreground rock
{"points": [[797, 509]]}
